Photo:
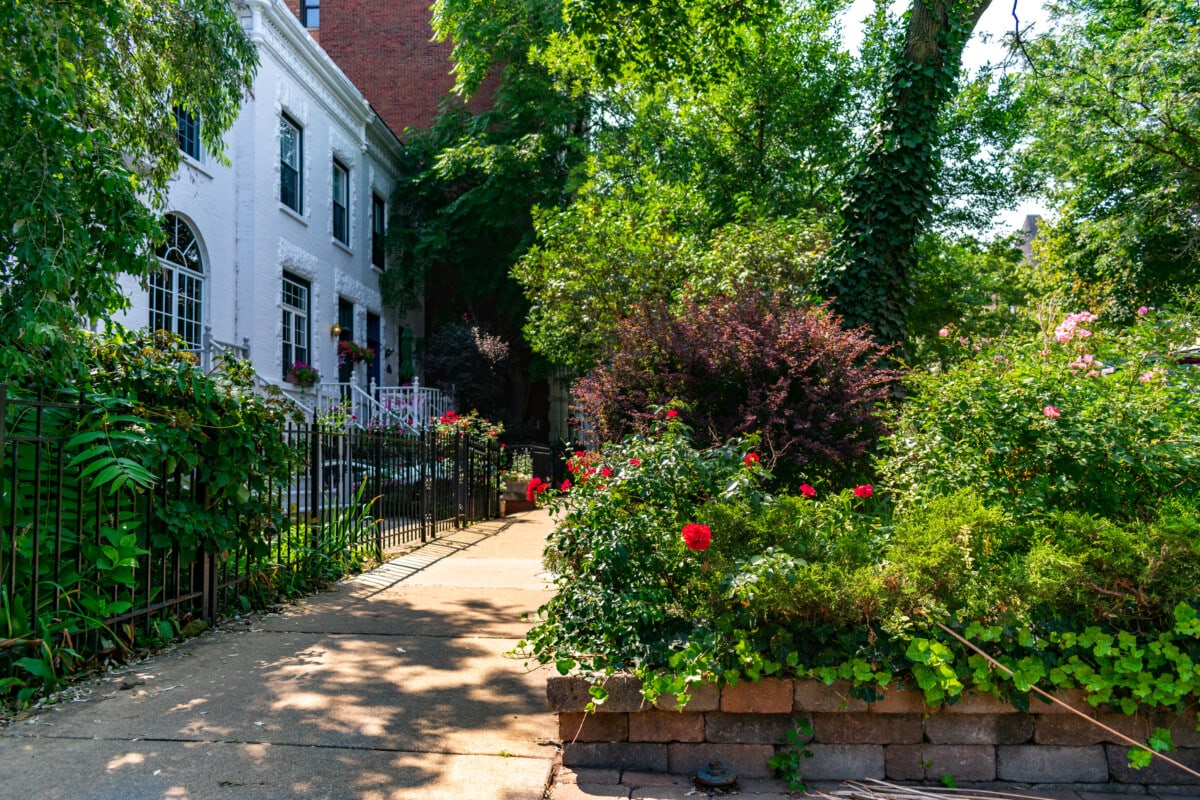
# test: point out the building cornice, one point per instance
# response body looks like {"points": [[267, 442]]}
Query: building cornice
{"points": [[274, 26]]}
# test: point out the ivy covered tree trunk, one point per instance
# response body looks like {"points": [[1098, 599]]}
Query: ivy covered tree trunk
{"points": [[888, 201]]}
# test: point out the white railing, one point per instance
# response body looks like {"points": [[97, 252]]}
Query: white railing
{"points": [[412, 407], [345, 404]]}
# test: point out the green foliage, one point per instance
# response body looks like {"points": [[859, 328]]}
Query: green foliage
{"points": [[966, 288], [1121, 439], [773, 255], [1066, 592], [788, 761], [627, 582], [1114, 149], [762, 131], [339, 547], [593, 257], [160, 411], [462, 215], [596, 254], [87, 137], [890, 198], [158, 457]]}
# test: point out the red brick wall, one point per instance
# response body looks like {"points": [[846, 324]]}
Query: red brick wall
{"points": [[385, 48]]}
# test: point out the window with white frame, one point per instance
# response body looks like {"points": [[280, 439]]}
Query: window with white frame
{"points": [[177, 288], [187, 132], [341, 203], [378, 229], [296, 331], [291, 158]]}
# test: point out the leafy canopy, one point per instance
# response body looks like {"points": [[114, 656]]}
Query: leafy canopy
{"points": [[88, 145], [1116, 148]]}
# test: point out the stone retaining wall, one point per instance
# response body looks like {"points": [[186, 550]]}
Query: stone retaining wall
{"points": [[978, 738]]}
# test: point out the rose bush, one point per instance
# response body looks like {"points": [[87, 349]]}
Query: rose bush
{"points": [[1074, 418], [1068, 545]]}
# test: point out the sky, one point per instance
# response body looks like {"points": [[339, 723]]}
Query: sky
{"points": [[985, 46]]}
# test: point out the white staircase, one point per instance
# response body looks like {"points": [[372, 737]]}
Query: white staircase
{"points": [[410, 408], [407, 408]]}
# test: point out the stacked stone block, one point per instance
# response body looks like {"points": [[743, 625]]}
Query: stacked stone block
{"points": [[978, 738]]}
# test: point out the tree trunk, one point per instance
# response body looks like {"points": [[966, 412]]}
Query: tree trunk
{"points": [[888, 202]]}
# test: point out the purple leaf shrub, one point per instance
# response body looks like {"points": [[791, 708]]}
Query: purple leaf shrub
{"points": [[745, 364]]}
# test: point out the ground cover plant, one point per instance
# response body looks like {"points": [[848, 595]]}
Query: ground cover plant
{"points": [[1071, 554]]}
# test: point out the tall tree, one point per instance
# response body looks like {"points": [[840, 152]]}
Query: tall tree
{"points": [[463, 215], [88, 146], [889, 201], [1116, 149]]}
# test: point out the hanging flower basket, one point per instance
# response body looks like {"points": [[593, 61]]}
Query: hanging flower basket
{"points": [[351, 353]]}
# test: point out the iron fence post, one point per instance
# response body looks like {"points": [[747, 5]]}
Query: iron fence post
{"points": [[210, 587], [315, 487], [379, 490], [460, 480], [423, 461]]}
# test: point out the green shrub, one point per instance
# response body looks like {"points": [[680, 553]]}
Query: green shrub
{"points": [[1102, 423], [841, 585], [1094, 570]]}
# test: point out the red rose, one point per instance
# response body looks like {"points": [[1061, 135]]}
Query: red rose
{"points": [[606, 472], [672, 414], [535, 487], [637, 462], [864, 491], [565, 485], [751, 458], [807, 490], [697, 537]]}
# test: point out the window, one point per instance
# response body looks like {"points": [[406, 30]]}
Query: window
{"points": [[177, 289], [187, 132], [378, 228], [295, 321], [291, 156], [341, 203], [310, 13]]}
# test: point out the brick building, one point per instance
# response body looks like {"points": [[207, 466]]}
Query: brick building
{"points": [[387, 50]]}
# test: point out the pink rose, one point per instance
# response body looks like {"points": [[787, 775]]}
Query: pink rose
{"points": [[944, 332], [864, 491], [1051, 412]]}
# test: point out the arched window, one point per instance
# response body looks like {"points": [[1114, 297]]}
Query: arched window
{"points": [[177, 289]]}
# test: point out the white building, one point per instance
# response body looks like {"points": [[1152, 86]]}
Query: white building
{"points": [[273, 254]]}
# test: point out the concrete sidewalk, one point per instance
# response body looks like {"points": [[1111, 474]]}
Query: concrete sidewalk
{"points": [[395, 685]]}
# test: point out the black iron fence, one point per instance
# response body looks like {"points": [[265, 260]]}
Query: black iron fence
{"points": [[87, 570]]}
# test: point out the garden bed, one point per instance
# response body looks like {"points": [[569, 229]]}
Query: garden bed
{"points": [[899, 737]]}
